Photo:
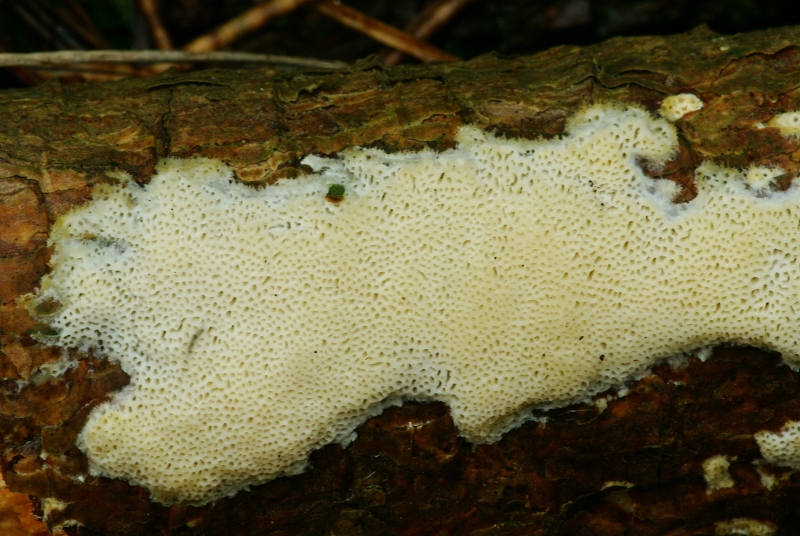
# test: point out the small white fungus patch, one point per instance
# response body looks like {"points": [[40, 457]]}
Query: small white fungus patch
{"points": [[788, 123], [715, 472], [768, 479], [53, 508], [503, 275], [675, 107], [743, 526], [781, 448]]}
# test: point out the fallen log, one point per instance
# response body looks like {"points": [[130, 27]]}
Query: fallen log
{"points": [[674, 450]]}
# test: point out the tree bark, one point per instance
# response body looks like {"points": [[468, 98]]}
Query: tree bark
{"points": [[635, 468]]}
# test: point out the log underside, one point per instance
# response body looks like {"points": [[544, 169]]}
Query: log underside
{"points": [[634, 468]]}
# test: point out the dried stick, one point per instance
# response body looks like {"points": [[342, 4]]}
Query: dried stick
{"points": [[428, 22], [250, 20], [160, 35], [382, 32], [71, 57]]}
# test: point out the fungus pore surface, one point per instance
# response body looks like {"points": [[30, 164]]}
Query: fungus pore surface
{"points": [[675, 107], [500, 276]]}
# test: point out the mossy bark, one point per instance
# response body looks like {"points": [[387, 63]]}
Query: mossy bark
{"points": [[634, 468]]}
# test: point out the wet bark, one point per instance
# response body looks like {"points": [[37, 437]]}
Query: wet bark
{"points": [[633, 467]]}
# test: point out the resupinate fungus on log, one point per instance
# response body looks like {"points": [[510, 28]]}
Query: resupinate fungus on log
{"points": [[500, 276]]}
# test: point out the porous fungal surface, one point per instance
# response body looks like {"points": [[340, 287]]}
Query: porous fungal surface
{"points": [[788, 123], [716, 474], [675, 107], [259, 325], [781, 448]]}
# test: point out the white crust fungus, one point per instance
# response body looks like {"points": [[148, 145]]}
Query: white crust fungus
{"points": [[767, 480], [743, 526], [259, 325], [781, 448], [715, 472], [759, 178], [788, 123], [675, 107], [53, 507]]}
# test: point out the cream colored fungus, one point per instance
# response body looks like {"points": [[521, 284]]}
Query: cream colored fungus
{"points": [[259, 325]]}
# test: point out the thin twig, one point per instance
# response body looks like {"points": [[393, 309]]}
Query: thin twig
{"points": [[427, 23], [252, 19], [382, 32], [55, 25], [70, 57], [160, 35]]}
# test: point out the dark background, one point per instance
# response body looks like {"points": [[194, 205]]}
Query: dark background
{"points": [[510, 27]]}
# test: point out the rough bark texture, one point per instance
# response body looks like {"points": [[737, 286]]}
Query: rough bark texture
{"points": [[635, 468]]}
